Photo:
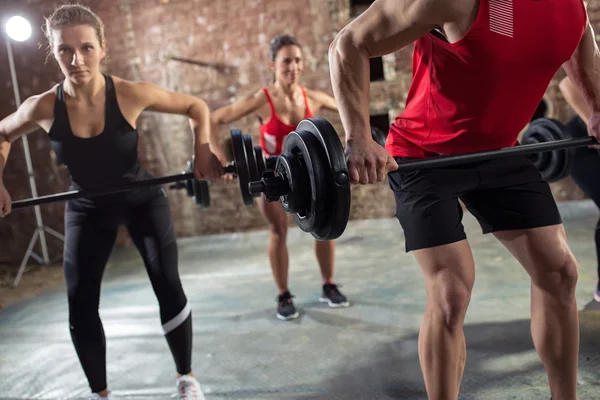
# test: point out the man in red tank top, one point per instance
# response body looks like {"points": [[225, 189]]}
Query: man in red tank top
{"points": [[480, 68]]}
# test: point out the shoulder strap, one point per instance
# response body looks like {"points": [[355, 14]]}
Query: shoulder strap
{"points": [[111, 96], [113, 117], [61, 118], [305, 101], [270, 100]]}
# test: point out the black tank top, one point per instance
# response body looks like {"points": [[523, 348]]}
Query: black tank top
{"points": [[106, 160]]}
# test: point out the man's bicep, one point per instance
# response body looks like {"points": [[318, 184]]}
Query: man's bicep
{"points": [[390, 25]]}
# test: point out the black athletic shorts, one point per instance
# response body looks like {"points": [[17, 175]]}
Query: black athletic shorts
{"points": [[503, 194]]}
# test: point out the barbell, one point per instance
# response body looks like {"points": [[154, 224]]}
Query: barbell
{"points": [[552, 165], [249, 163], [310, 178], [244, 167]]}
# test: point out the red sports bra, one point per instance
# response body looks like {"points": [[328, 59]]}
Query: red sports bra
{"points": [[274, 131]]}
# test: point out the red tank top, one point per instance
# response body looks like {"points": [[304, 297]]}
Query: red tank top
{"points": [[478, 93], [274, 131]]}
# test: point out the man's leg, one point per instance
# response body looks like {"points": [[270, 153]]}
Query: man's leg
{"points": [[554, 321], [449, 273], [518, 206], [428, 209], [583, 171]]}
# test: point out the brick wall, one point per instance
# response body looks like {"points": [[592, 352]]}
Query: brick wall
{"points": [[217, 50]]}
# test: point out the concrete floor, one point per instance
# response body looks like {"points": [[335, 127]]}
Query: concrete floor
{"points": [[241, 351]]}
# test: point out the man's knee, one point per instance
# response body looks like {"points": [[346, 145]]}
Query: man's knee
{"points": [[560, 278], [449, 297]]}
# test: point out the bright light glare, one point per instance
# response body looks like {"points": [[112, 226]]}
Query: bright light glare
{"points": [[18, 28]]}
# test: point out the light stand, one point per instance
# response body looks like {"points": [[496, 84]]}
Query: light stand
{"points": [[19, 29]]}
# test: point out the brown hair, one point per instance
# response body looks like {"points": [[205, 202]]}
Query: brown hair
{"points": [[72, 14], [281, 41]]}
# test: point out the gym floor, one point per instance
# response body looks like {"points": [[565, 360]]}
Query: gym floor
{"points": [[241, 351]]}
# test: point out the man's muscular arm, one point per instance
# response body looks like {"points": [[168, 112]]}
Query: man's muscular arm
{"points": [[386, 26]]}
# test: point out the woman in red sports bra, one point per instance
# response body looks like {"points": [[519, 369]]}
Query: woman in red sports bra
{"points": [[280, 108]]}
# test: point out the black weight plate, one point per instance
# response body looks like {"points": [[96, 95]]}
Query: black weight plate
{"points": [[261, 163], [557, 128], [553, 164], [535, 158], [250, 158], [201, 193], [557, 165], [565, 156], [270, 162], [379, 136], [338, 200], [241, 165], [292, 168], [310, 153], [540, 160]]}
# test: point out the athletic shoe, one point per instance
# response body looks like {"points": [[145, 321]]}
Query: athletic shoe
{"points": [[188, 388], [96, 396], [332, 296], [285, 307]]}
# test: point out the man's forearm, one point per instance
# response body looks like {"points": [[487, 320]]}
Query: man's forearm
{"points": [[349, 69], [575, 99], [584, 70]]}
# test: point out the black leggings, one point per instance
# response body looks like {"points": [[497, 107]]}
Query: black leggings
{"points": [[586, 173], [91, 231]]}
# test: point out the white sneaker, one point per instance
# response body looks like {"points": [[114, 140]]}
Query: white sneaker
{"points": [[96, 396], [188, 388]]}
